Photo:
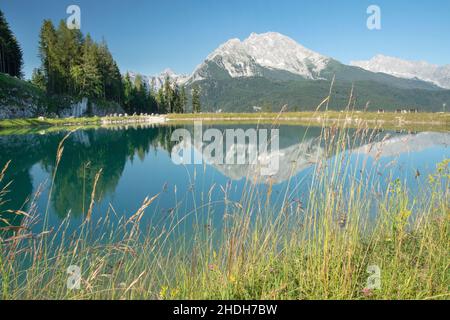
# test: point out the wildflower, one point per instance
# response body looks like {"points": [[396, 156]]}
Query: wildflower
{"points": [[367, 292], [174, 293], [211, 267], [163, 292]]}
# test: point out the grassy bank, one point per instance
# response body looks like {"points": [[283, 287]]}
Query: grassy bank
{"points": [[61, 122], [320, 249], [437, 121], [326, 116]]}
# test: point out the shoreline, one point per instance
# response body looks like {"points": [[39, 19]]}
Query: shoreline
{"points": [[389, 119]]}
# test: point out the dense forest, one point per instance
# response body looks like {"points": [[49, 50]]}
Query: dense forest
{"points": [[11, 61]]}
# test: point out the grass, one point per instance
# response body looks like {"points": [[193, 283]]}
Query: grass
{"points": [[352, 118], [320, 249], [8, 82], [65, 122], [19, 93], [419, 121]]}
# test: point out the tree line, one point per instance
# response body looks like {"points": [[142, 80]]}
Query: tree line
{"points": [[73, 64], [11, 60], [169, 98]]}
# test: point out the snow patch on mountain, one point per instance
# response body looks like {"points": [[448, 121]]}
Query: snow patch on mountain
{"points": [[276, 51], [438, 75], [270, 50]]}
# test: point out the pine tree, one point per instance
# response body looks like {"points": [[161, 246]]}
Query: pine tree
{"points": [[38, 79], [74, 65], [68, 55], [151, 103], [176, 101], [196, 106], [183, 100], [91, 85], [161, 100], [11, 60], [127, 92], [168, 95], [47, 53], [140, 95], [110, 74]]}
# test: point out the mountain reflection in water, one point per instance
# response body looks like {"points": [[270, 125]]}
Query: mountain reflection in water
{"points": [[135, 163]]}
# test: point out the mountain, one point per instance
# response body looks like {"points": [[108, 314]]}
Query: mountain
{"points": [[157, 81], [277, 57], [438, 75], [271, 70], [261, 55]]}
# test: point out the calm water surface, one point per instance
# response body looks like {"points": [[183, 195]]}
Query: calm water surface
{"points": [[136, 163]]}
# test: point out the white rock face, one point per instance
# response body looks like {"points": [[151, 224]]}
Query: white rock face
{"points": [[276, 51], [270, 50], [234, 57], [75, 110], [157, 81], [439, 75]]}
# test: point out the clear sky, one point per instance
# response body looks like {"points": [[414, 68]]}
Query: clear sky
{"points": [[148, 36]]}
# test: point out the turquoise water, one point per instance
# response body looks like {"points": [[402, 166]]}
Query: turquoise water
{"points": [[136, 163]]}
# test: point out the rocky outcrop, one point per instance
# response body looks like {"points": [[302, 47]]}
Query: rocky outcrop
{"points": [[15, 103], [89, 108], [21, 99], [26, 110], [104, 110], [75, 110]]}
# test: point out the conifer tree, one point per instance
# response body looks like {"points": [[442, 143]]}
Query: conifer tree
{"points": [[75, 65], [183, 100], [196, 106], [161, 100], [11, 60], [127, 92], [38, 79], [91, 82], [47, 46], [168, 95]]}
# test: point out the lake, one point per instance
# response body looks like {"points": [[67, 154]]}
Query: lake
{"points": [[136, 162]]}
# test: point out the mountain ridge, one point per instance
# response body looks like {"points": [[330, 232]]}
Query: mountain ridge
{"points": [[422, 70], [273, 69]]}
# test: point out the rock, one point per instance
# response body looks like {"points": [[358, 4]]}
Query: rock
{"points": [[75, 109], [13, 111]]}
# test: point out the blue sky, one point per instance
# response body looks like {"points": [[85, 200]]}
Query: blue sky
{"points": [[148, 36]]}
